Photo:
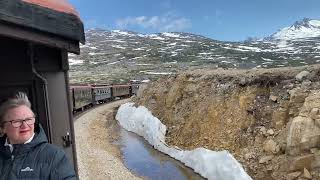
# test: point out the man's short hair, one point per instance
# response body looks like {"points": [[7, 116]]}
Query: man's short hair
{"points": [[16, 100]]}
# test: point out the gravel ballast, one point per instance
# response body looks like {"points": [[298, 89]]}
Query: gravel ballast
{"points": [[97, 157]]}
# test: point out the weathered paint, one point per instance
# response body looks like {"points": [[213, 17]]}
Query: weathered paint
{"points": [[58, 5]]}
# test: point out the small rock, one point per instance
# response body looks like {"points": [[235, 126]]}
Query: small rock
{"points": [[263, 130], [265, 159], [243, 81], [302, 75], [249, 130], [270, 132], [314, 150], [306, 83], [293, 175], [249, 156], [258, 139], [289, 86], [271, 147], [273, 98], [306, 174], [229, 121]]}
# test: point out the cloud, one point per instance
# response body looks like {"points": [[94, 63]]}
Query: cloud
{"points": [[166, 22], [93, 23]]}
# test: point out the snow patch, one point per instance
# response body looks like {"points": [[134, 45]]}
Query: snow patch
{"points": [[266, 59], [139, 49], [118, 46], [75, 61], [93, 53], [144, 64], [256, 49], [112, 63], [93, 47], [121, 32], [156, 73], [170, 34], [210, 164]]}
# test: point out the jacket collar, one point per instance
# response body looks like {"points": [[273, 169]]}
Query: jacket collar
{"points": [[11, 146]]}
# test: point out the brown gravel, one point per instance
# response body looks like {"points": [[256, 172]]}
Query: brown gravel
{"points": [[97, 157]]}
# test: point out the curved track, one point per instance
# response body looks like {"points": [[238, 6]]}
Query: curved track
{"points": [[97, 157]]}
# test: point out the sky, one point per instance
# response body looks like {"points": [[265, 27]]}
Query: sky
{"points": [[226, 20]]}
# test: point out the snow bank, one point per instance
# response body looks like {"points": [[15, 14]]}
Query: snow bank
{"points": [[210, 164]]}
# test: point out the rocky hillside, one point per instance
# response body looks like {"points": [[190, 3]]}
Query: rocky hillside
{"points": [[269, 119], [118, 56]]}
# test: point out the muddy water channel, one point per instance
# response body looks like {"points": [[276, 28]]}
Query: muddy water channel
{"points": [[143, 160]]}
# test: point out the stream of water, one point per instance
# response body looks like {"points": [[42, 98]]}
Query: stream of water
{"points": [[142, 159]]}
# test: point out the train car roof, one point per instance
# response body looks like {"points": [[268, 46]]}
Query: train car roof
{"points": [[79, 86], [55, 20], [119, 85], [101, 87], [57, 5]]}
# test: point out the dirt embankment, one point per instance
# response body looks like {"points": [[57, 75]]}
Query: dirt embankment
{"points": [[268, 119]]}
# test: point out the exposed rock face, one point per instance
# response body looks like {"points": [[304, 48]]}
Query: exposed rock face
{"points": [[268, 119]]}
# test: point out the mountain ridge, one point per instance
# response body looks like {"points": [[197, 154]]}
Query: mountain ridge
{"points": [[120, 56]]}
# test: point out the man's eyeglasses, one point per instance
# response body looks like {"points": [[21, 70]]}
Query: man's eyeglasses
{"points": [[18, 122]]}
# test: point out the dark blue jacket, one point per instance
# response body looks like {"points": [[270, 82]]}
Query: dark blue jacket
{"points": [[35, 160]]}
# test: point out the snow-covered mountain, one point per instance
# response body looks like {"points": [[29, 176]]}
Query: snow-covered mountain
{"points": [[306, 28], [118, 56]]}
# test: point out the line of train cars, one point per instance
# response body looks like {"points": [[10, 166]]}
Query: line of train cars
{"points": [[83, 96]]}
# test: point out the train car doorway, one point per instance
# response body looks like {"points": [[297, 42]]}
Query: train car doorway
{"points": [[34, 59]]}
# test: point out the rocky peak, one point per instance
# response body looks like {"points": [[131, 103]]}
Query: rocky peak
{"points": [[305, 28], [305, 22]]}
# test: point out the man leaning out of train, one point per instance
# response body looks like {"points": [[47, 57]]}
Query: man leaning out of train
{"points": [[24, 149]]}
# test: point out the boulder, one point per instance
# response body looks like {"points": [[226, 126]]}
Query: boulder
{"points": [[301, 162], [279, 118], [297, 98], [265, 159], [294, 175], [270, 132], [311, 105], [306, 174], [302, 76], [314, 113], [263, 130], [303, 135], [273, 98], [270, 146]]}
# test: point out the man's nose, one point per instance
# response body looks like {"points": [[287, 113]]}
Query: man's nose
{"points": [[24, 124]]}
